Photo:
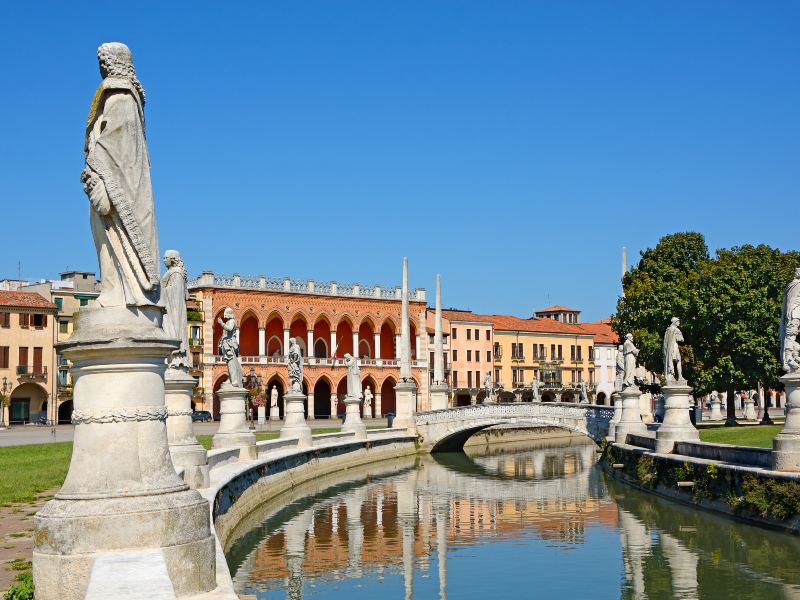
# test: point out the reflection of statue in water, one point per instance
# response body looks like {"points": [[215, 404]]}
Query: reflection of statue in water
{"points": [[295, 365], [631, 352], [790, 326], [672, 353], [174, 295], [229, 347], [117, 180], [353, 376]]}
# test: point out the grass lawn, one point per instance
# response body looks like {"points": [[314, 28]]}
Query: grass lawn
{"points": [[26, 471], [755, 435]]}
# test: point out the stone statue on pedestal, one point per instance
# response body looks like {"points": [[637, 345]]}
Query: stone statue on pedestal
{"points": [[790, 326], [672, 353], [630, 352], [273, 397], [368, 396], [295, 365], [582, 396], [174, 295], [487, 386], [353, 376], [116, 179], [619, 371], [534, 390], [229, 348]]}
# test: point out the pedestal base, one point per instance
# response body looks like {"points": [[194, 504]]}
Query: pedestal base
{"points": [[295, 424], [233, 431], [262, 415], [750, 410], [630, 420], [439, 393], [786, 445], [716, 413], [616, 400], [352, 418], [184, 449], [677, 425], [405, 393]]}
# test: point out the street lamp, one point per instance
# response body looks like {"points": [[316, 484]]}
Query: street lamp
{"points": [[5, 389]]}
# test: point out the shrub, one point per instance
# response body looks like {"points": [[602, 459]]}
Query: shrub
{"points": [[23, 590]]}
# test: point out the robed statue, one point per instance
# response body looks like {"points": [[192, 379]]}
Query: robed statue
{"points": [[534, 390], [174, 294], [116, 179], [229, 347], [630, 352], [294, 363], [353, 376], [582, 395], [487, 386], [790, 326], [672, 353], [619, 371]]}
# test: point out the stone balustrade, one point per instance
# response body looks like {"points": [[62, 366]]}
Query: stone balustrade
{"points": [[322, 362]]}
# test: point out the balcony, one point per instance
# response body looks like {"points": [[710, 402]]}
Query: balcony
{"points": [[26, 373], [196, 342], [323, 362]]}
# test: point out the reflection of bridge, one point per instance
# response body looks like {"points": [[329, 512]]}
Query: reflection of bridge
{"points": [[448, 429]]}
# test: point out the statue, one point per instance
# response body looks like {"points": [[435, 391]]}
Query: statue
{"points": [[487, 386], [631, 352], [116, 179], [353, 376], [619, 374], [368, 396], [790, 325], [174, 295], [295, 364], [273, 398], [672, 353], [229, 347], [534, 390], [582, 396]]}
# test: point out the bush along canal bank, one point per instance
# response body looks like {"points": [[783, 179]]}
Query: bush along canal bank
{"points": [[748, 493]]}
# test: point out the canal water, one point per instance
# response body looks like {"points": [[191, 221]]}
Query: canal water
{"points": [[538, 520]]}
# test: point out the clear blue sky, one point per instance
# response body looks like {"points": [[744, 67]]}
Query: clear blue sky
{"points": [[512, 146]]}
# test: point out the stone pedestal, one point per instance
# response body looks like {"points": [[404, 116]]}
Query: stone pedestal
{"points": [[184, 449], [121, 491], [786, 445], [677, 425], [294, 419], [659, 408], [405, 393], [630, 420], [352, 418], [233, 431], [749, 409], [616, 400], [439, 394], [262, 415], [716, 412], [274, 413]]}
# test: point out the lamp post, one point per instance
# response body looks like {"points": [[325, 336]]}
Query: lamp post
{"points": [[252, 382], [5, 389]]}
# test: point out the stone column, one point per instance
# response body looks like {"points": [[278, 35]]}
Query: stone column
{"points": [[183, 446], [378, 413], [310, 406], [439, 388], [333, 343], [473, 397], [397, 342], [377, 342], [262, 342], [441, 552], [630, 420], [355, 344], [233, 430], [418, 347], [310, 343], [786, 445], [749, 408], [716, 413], [294, 420], [334, 404], [405, 389], [121, 491], [677, 426], [286, 342], [616, 400]]}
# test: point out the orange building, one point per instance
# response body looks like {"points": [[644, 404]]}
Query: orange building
{"points": [[328, 319]]}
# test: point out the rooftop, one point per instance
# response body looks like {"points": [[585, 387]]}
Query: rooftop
{"points": [[25, 300], [602, 331], [557, 308], [512, 323]]}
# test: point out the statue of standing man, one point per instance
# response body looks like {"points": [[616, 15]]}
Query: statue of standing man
{"points": [[631, 352], [174, 294], [295, 366], [229, 347], [619, 371], [353, 376], [672, 353], [487, 386], [790, 326], [116, 179]]}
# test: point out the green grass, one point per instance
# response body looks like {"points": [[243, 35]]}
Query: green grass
{"points": [[759, 436], [26, 471]]}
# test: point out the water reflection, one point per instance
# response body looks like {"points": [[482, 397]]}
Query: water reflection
{"points": [[520, 522]]}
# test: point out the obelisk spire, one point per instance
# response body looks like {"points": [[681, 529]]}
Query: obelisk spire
{"points": [[405, 330], [438, 347]]}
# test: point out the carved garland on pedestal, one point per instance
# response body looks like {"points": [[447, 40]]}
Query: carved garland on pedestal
{"points": [[120, 414]]}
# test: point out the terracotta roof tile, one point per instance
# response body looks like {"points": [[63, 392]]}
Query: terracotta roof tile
{"points": [[603, 332], [25, 300], [465, 315], [539, 325], [557, 308]]}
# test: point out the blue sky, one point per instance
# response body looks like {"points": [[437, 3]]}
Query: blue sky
{"points": [[512, 146]]}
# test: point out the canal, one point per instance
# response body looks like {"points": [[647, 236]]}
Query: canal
{"points": [[529, 520]]}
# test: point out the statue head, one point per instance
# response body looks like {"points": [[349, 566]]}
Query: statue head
{"points": [[116, 61], [228, 314], [620, 348], [629, 337], [676, 321]]}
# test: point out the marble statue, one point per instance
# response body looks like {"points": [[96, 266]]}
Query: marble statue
{"points": [[368, 396], [174, 295], [582, 396], [487, 386], [790, 326], [295, 364], [630, 352], [273, 397], [116, 179], [534, 390], [672, 353], [229, 347], [353, 376], [619, 374]]}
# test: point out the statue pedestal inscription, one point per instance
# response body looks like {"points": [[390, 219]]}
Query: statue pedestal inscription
{"points": [[294, 423], [786, 445], [121, 491], [439, 393], [352, 418], [233, 431], [184, 449], [405, 393], [616, 399], [630, 420], [677, 425]]}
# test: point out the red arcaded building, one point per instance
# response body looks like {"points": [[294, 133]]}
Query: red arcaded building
{"points": [[326, 318]]}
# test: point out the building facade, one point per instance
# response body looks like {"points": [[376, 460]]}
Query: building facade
{"points": [[27, 357], [471, 339], [329, 320], [606, 347]]}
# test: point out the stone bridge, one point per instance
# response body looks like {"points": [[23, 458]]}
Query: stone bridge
{"points": [[448, 429]]}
